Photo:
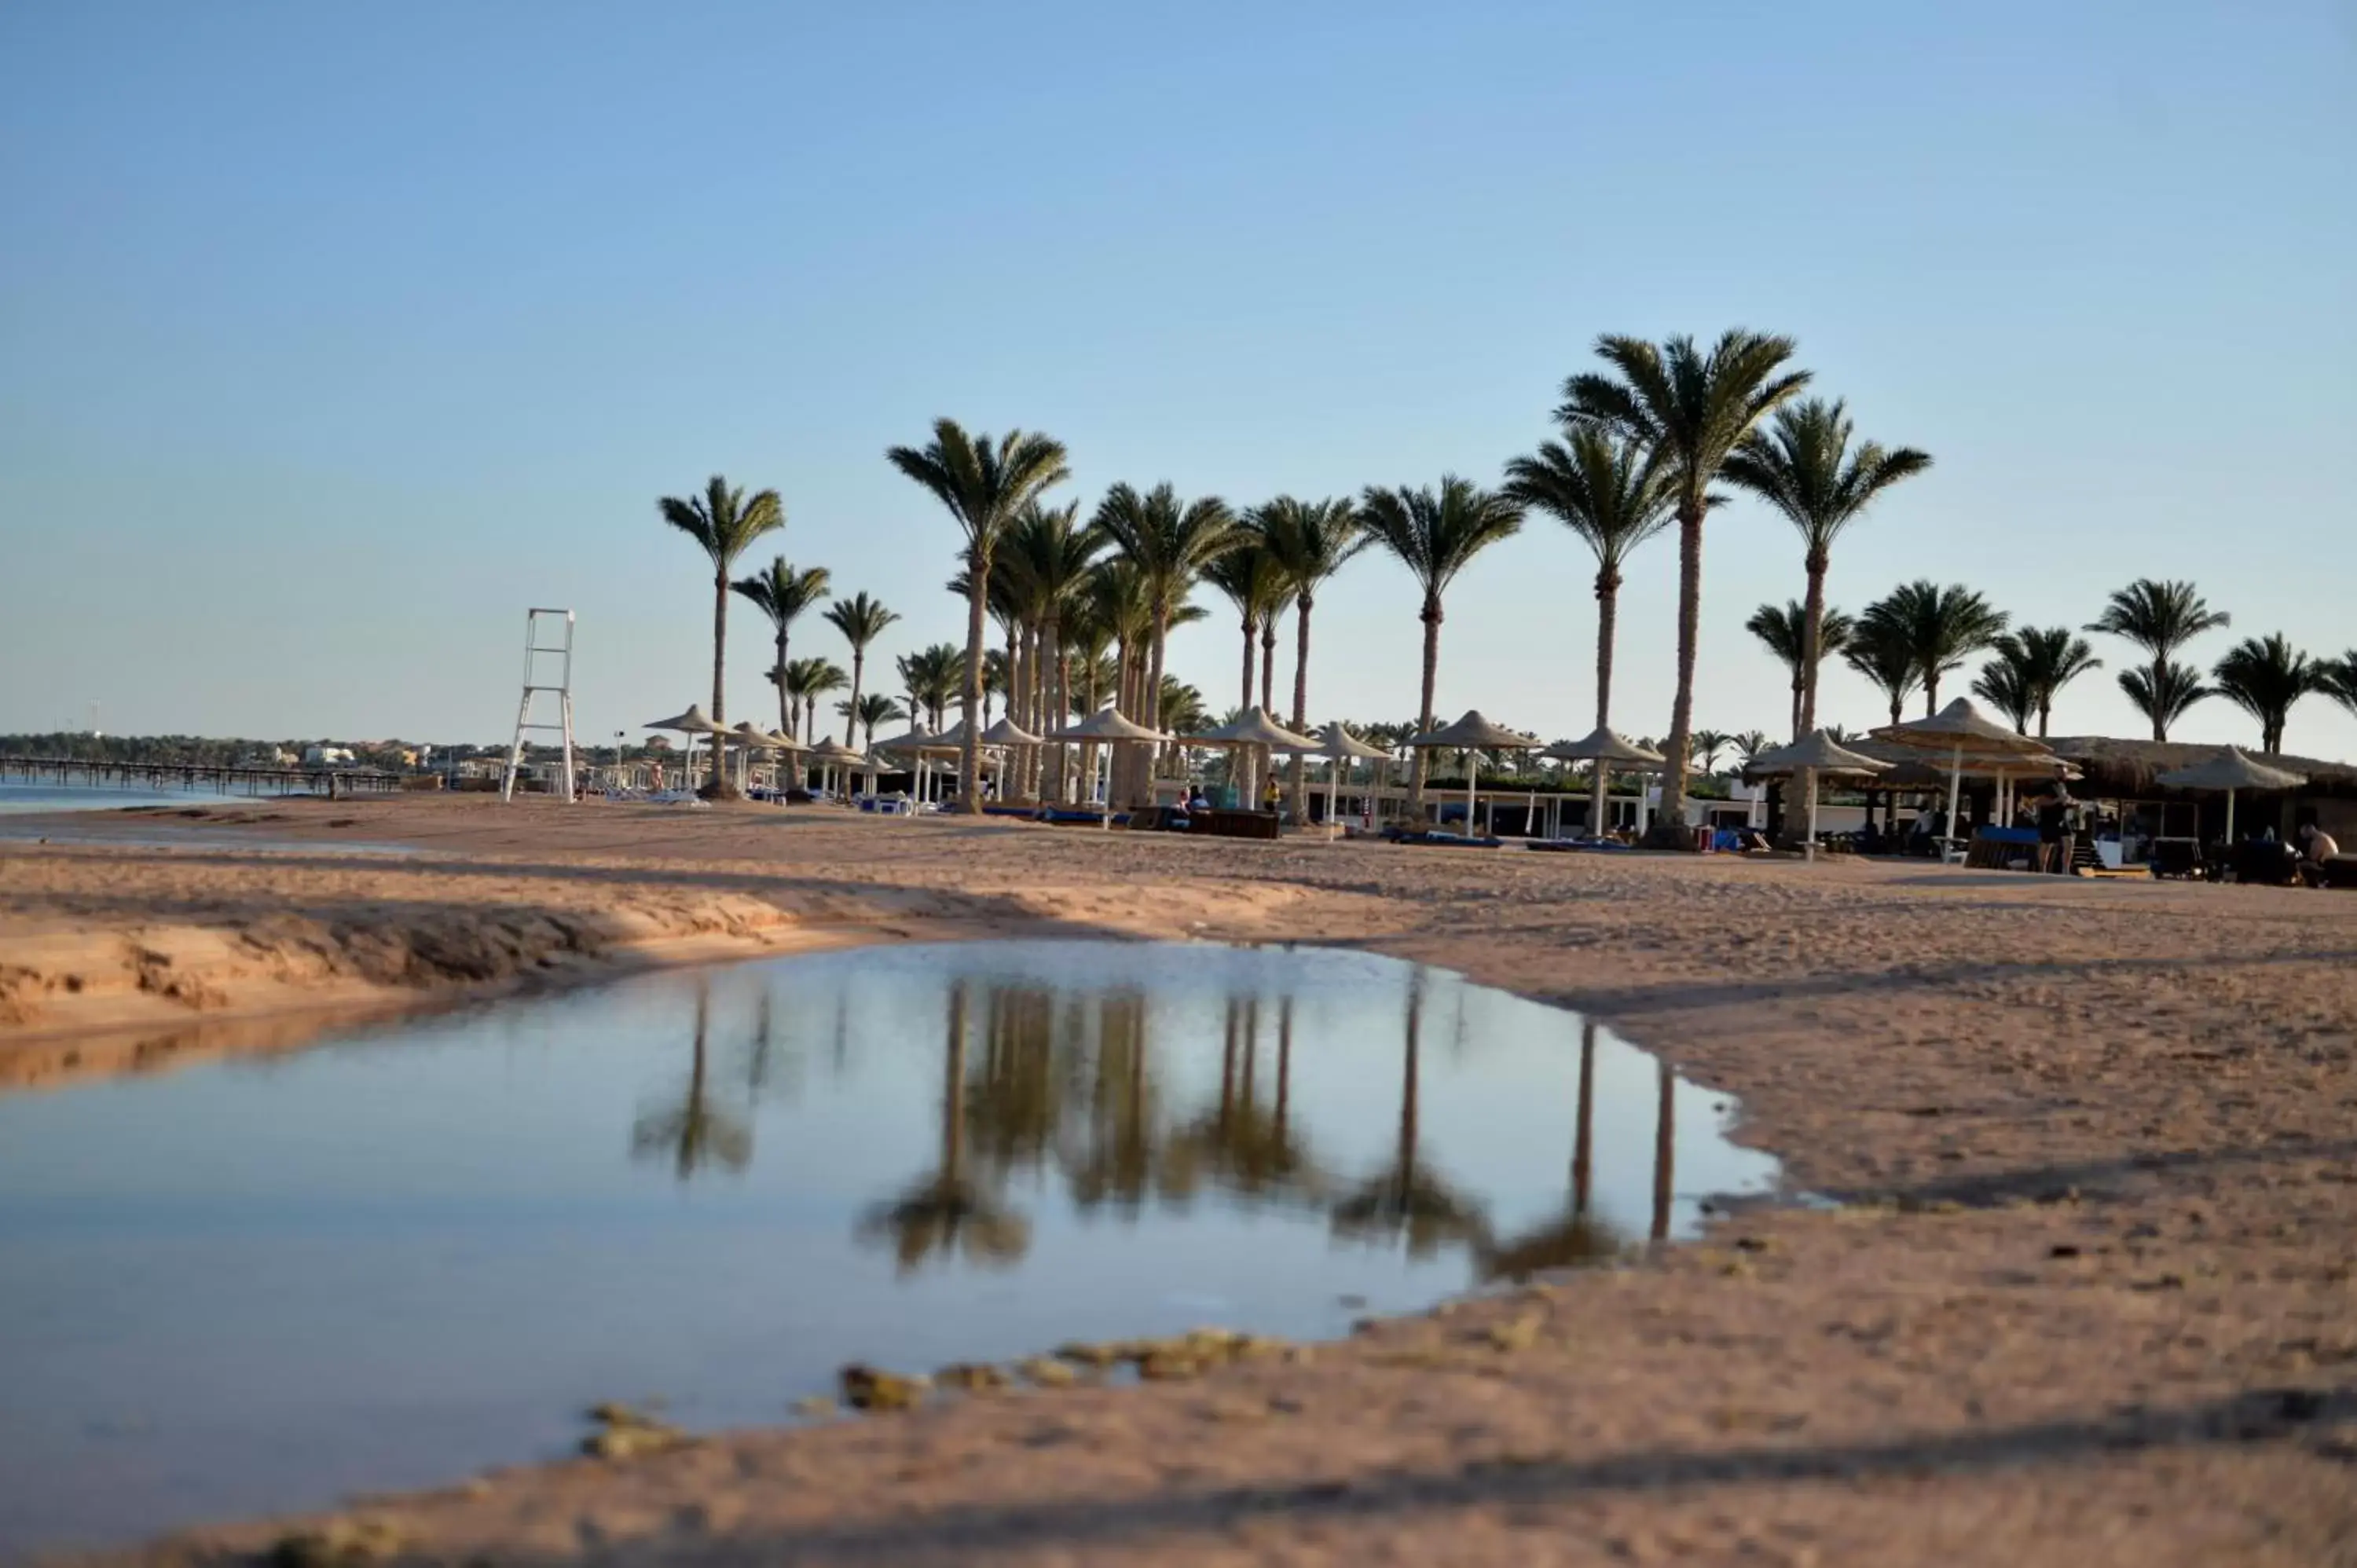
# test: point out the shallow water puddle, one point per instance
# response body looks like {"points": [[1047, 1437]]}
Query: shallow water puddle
{"points": [[424, 1248]]}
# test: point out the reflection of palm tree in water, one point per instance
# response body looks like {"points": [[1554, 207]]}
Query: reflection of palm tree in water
{"points": [[1014, 1104], [1115, 1163], [1573, 1237], [1408, 1196], [1665, 1127], [695, 1132], [1245, 1146], [946, 1212]]}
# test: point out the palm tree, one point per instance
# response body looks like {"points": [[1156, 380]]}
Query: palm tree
{"points": [[1884, 655], [2337, 679], [1939, 626], [1170, 543], [2263, 677], [724, 521], [2003, 684], [2163, 693], [1708, 744], [1310, 542], [808, 680], [783, 593], [871, 710], [861, 619], [931, 676], [1435, 536], [1607, 492], [1785, 632], [1181, 707], [2160, 617], [1689, 411], [1749, 743], [1046, 559], [1804, 467], [985, 485], [2038, 663], [1250, 578]]}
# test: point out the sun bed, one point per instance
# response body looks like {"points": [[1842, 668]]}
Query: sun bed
{"points": [[1437, 839], [1579, 846]]}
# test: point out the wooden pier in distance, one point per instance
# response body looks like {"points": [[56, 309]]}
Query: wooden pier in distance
{"points": [[191, 777]]}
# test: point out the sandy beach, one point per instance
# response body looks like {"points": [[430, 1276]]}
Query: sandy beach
{"points": [[2086, 1291]]}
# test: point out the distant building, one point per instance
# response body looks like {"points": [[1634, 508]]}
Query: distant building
{"points": [[326, 756]]}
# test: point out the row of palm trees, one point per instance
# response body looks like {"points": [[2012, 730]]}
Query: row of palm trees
{"points": [[1923, 631], [1644, 443], [1086, 605]]}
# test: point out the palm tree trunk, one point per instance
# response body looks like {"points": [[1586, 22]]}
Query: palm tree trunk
{"points": [[1674, 780], [721, 788], [1243, 695], [1931, 692], [1608, 624], [719, 646], [1152, 702], [1812, 632], [1059, 699], [1298, 782], [977, 567], [2045, 712], [1424, 713], [858, 674], [1268, 663], [786, 706], [2160, 675], [1798, 692]]}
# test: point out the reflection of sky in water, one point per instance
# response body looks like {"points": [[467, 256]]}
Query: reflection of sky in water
{"points": [[392, 1261]]}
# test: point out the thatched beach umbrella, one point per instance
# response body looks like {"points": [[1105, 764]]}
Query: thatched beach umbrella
{"points": [[1473, 734], [1249, 732], [2231, 770], [1815, 754], [691, 723], [1108, 727], [1339, 747], [831, 754], [1960, 731], [1606, 748], [917, 745], [1006, 732]]}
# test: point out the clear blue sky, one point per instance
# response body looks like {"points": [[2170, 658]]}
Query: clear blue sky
{"points": [[333, 336]]}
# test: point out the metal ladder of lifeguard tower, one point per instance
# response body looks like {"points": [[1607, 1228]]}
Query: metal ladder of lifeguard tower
{"points": [[534, 685]]}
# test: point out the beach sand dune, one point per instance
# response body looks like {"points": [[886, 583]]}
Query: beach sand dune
{"points": [[2089, 1297]]}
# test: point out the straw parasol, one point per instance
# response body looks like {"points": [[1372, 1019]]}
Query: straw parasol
{"points": [[691, 723], [1604, 746], [1960, 730], [918, 746], [1339, 747], [1816, 754], [831, 753], [1107, 725], [1006, 732], [1251, 730], [915, 742], [2231, 770], [1474, 735]]}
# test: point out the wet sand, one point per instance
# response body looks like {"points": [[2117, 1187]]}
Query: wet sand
{"points": [[2091, 1297]]}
